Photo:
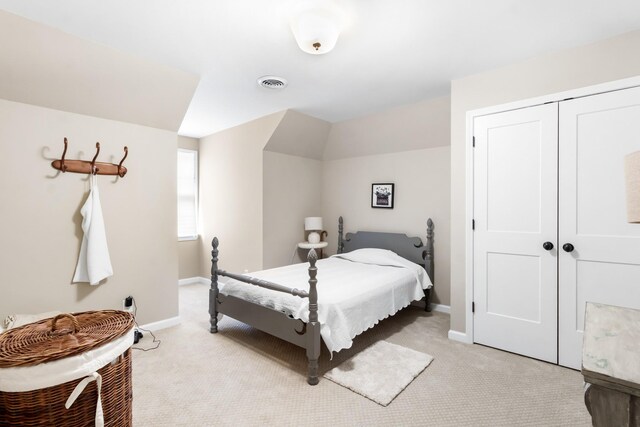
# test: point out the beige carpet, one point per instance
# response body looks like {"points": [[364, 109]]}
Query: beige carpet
{"points": [[243, 377], [380, 372]]}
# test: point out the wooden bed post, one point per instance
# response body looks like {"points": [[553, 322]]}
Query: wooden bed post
{"points": [[213, 292], [313, 327], [429, 264], [340, 229]]}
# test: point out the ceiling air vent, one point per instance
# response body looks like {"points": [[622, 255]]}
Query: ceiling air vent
{"points": [[272, 82]]}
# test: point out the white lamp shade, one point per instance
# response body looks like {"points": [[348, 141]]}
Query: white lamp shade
{"points": [[313, 223], [632, 178], [316, 26]]}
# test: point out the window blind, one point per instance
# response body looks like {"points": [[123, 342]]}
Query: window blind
{"points": [[187, 194]]}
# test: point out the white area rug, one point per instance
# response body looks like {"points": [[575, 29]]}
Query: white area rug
{"points": [[380, 372]]}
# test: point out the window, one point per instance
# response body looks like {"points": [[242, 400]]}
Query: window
{"points": [[187, 194]]}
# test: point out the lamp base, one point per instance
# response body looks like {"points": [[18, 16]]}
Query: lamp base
{"points": [[314, 237]]}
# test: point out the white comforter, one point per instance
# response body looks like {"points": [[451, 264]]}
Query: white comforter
{"points": [[355, 291]]}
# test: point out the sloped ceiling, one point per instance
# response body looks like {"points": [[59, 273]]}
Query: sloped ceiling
{"points": [[425, 124], [43, 66], [390, 53], [299, 135]]}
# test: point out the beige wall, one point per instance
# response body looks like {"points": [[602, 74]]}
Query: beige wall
{"points": [[188, 143], [608, 60], [189, 256], [255, 199], [421, 180], [231, 187], [409, 146], [41, 219], [292, 191]]}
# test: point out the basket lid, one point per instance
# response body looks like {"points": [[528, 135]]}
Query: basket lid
{"points": [[61, 336]]}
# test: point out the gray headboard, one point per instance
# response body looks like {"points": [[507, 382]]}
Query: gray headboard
{"points": [[407, 247]]}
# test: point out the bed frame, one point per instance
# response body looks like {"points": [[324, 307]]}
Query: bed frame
{"points": [[295, 331]]}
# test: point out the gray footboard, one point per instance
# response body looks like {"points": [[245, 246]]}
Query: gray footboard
{"points": [[306, 335]]}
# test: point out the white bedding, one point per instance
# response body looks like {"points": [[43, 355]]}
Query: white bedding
{"points": [[355, 291]]}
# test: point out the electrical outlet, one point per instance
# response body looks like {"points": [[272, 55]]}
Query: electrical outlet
{"points": [[127, 304]]}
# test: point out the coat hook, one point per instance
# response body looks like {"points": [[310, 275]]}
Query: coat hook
{"points": [[94, 169], [126, 153], [63, 168]]}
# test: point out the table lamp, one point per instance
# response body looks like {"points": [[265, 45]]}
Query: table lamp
{"points": [[632, 178], [313, 224]]}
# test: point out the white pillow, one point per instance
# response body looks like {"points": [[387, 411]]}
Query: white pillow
{"points": [[384, 257], [373, 256]]}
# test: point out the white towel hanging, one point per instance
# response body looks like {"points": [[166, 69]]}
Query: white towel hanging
{"points": [[94, 263]]}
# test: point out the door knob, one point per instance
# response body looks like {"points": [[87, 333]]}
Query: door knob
{"points": [[568, 247], [547, 246]]}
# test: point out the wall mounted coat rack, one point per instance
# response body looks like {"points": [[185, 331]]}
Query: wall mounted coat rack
{"points": [[90, 167]]}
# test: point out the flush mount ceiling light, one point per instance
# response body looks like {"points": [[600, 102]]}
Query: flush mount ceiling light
{"points": [[316, 25]]}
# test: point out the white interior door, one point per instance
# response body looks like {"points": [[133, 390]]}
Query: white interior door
{"points": [[595, 134], [515, 213]]}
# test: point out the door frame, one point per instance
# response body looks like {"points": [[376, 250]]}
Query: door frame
{"points": [[467, 336]]}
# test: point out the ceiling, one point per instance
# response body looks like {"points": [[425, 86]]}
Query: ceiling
{"points": [[390, 53]]}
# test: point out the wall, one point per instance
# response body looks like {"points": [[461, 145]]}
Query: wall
{"points": [[608, 60], [231, 191], [292, 185], [41, 218], [256, 187], [407, 145], [292, 190], [188, 143], [421, 180], [189, 257]]}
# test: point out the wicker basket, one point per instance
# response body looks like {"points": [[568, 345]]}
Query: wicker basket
{"points": [[48, 341]]}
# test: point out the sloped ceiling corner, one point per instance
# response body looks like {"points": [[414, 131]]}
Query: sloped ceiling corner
{"points": [[43, 66], [299, 135], [257, 132], [424, 124]]}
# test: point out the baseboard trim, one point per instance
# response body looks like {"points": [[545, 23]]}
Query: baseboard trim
{"points": [[459, 336], [194, 281], [161, 324], [440, 308]]}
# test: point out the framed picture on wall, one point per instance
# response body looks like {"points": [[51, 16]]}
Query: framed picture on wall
{"points": [[382, 195]]}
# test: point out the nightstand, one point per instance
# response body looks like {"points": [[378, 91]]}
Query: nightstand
{"points": [[309, 246]]}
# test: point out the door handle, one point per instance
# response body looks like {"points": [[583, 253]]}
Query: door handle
{"points": [[547, 246], [568, 247]]}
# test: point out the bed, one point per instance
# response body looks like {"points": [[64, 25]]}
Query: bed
{"points": [[372, 276]]}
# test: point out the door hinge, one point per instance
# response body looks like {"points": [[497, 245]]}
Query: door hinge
{"points": [[474, 142], [473, 307], [473, 224]]}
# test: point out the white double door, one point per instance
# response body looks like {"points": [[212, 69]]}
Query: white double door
{"points": [[550, 222]]}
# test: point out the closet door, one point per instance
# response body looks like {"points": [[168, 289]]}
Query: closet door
{"points": [[515, 213], [596, 132]]}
